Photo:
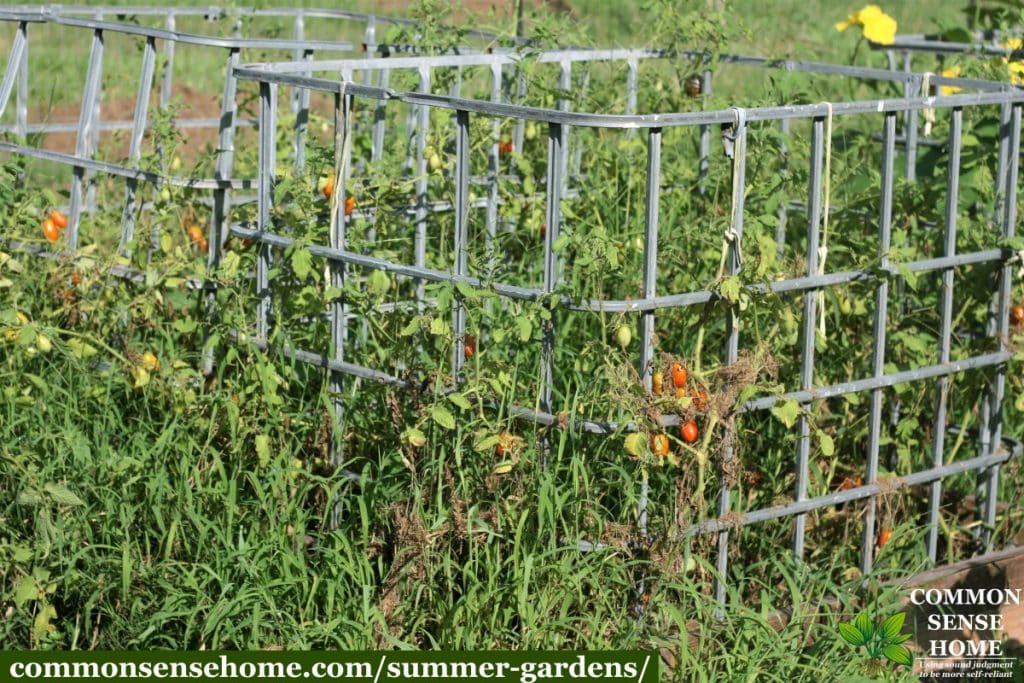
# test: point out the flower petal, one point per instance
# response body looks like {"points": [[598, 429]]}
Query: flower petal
{"points": [[881, 30], [843, 25]]}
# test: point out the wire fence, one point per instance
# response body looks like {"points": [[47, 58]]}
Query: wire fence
{"points": [[361, 100]]}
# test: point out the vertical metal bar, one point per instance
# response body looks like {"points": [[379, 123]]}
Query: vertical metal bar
{"points": [[783, 210], [493, 159], [985, 441], [705, 136], [577, 155], [912, 88], [265, 199], [422, 130], [94, 136], [298, 33], [649, 285], [12, 74], [218, 230], [565, 85], [461, 241], [21, 105], [731, 348], [520, 98], [878, 353], [810, 325], [946, 318], [1003, 331], [300, 103], [135, 144], [380, 118], [632, 69], [555, 169], [650, 252], [338, 314], [85, 124], [167, 81]]}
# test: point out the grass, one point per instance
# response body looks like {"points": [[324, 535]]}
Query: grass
{"points": [[182, 511]]}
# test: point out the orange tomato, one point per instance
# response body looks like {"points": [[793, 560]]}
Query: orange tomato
{"points": [[329, 187], [204, 245], [195, 233], [505, 148], [76, 279], [59, 219], [50, 230], [679, 374], [350, 205], [689, 431], [680, 392], [1017, 314], [470, 347], [659, 444], [884, 536], [657, 383]]}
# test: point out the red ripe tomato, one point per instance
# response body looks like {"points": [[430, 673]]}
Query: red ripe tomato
{"points": [[689, 431], [470, 346], [59, 219], [50, 230], [1017, 314], [505, 148], [679, 374], [76, 279], [884, 536], [350, 205]]}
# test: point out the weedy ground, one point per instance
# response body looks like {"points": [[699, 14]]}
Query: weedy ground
{"points": [[148, 505]]}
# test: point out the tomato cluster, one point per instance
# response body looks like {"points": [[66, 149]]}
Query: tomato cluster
{"points": [[52, 226]]}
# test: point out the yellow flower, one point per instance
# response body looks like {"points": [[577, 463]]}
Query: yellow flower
{"points": [[952, 72], [1016, 69], [878, 26]]}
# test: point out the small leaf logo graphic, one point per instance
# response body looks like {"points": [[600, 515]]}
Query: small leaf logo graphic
{"points": [[881, 641]]}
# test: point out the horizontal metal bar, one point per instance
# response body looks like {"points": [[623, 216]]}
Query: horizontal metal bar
{"points": [[261, 72], [179, 36], [126, 172], [631, 305], [867, 491], [72, 126]]}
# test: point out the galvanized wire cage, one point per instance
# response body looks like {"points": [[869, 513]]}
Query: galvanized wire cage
{"points": [[362, 96]]}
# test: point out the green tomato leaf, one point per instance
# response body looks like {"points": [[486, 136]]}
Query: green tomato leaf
{"points": [[460, 400], [525, 326], [302, 263], [25, 591], [787, 411], [443, 417], [828, 446]]}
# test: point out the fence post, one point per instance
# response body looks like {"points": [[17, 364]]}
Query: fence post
{"points": [[265, 199], [461, 236]]}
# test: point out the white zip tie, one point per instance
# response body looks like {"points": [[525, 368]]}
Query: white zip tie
{"points": [[928, 112]]}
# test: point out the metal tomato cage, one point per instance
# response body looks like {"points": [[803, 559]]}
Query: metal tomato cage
{"points": [[994, 449], [298, 75], [85, 166]]}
